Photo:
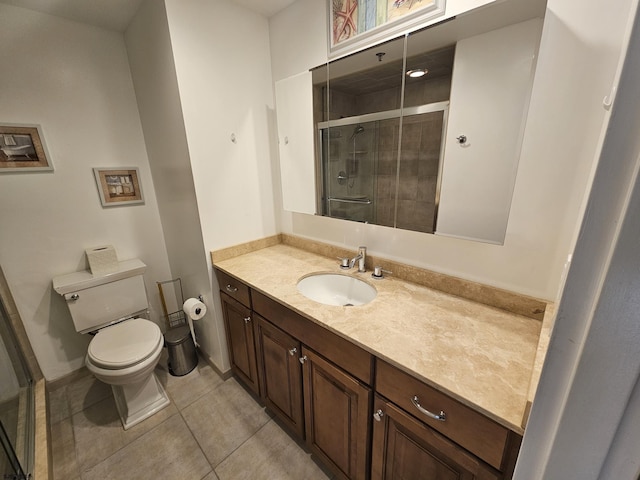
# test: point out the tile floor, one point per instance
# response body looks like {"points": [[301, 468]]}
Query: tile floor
{"points": [[213, 430]]}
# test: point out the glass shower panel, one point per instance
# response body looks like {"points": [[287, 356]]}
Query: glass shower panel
{"points": [[419, 172], [16, 407], [387, 171], [349, 166]]}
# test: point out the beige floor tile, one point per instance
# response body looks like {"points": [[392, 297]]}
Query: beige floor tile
{"points": [[65, 466], [188, 388], [211, 476], [58, 405], [269, 454], [98, 431], [223, 419], [167, 451], [86, 391]]}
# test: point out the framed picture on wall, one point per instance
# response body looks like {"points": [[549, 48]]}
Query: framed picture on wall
{"points": [[358, 24], [119, 186], [22, 149]]}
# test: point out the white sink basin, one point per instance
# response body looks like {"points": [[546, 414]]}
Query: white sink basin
{"points": [[336, 289]]}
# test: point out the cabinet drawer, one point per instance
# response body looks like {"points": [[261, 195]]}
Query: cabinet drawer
{"points": [[406, 448], [233, 287], [355, 360], [478, 434]]}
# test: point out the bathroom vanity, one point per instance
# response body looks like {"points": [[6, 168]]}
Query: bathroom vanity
{"points": [[416, 383]]}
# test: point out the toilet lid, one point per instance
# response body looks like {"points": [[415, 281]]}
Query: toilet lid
{"points": [[125, 343]]}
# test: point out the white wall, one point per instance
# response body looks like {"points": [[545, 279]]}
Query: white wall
{"points": [[558, 152], [74, 81], [223, 66], [583, 422], [204, 83], [154, 76]]}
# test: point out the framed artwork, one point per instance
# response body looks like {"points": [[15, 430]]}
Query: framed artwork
{"points": [[22, 149], [118, 186], [357, 24]]}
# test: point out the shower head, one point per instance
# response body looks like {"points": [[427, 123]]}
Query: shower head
{"points": [[356, 131]]}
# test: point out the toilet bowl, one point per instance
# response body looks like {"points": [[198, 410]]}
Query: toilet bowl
{"points": [[124, 356]]}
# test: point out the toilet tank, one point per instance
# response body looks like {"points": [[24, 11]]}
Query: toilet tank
{"points": [[95, 301]]}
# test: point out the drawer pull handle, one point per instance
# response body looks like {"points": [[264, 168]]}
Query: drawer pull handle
{"points": [[231, 288], [293, 351], [378, 415], [247, 319], [416, 403]]}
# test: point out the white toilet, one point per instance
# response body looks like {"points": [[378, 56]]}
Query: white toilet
{"points": [[125, 349]]}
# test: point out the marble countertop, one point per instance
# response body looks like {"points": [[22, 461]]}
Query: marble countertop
{"points": [[480, 355]]}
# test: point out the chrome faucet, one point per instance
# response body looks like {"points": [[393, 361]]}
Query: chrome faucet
{"points": [[360, 258]]}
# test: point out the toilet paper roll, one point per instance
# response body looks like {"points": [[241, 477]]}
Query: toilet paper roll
{"points": [[194, 309]]}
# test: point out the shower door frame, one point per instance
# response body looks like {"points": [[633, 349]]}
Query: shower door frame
{"points": [[23, 358], [322, 199]]}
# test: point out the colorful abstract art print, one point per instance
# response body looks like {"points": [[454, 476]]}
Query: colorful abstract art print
{"points": [[400, 8], [358, 24], [345, 19]]}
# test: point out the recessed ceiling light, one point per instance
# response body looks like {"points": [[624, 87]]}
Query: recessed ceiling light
{"points": [[417, 73]]}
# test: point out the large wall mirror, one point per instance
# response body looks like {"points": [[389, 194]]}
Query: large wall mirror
{"points": [[422, 132]]}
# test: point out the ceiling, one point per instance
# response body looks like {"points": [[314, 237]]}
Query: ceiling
{"points": [[116, 14]]}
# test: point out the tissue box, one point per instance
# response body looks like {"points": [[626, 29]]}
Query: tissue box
{"points": [[102, 259]]}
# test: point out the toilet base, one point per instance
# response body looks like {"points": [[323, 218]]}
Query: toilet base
{"points": [[138, 401]]}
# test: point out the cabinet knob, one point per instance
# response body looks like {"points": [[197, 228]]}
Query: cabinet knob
{"points": [[293, 351], [247, 319], [378, 415], [231, 288], [303, 359], [416, 403], [74, 296]]}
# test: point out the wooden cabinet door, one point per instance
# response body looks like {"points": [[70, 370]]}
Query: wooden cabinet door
{"points": [[280, 374], [337, 409], [240, 340], [404, 448]]}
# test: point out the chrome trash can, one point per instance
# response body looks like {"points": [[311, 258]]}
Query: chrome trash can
{"points": [[182, 351]]}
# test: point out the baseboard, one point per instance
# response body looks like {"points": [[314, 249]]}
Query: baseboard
{"points": [[68, 378], [224, 375]]}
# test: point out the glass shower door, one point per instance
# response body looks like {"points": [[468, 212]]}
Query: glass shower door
{"points": [[10, 466], [16, 407], [349, 165]]}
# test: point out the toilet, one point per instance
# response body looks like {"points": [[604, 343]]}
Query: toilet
{"points": [[125, 348]]}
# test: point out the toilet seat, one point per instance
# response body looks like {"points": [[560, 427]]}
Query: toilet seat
{"points": [[124, 344]]}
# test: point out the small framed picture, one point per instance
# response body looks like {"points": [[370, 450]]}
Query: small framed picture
{"points": [[119, 186], [22, 149]]}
